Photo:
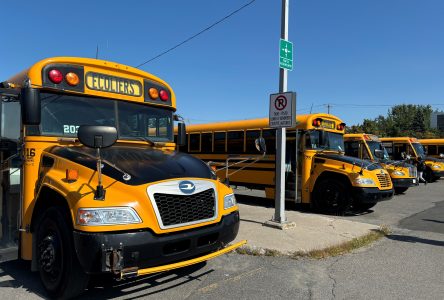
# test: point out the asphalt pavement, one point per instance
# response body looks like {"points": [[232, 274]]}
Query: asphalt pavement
{"points": [[405, 265]]}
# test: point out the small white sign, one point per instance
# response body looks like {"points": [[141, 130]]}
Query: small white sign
{"points": [[282, 110]]}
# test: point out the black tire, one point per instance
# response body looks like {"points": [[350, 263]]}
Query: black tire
{"points": [[428, 175], [331, 196], [400, 190], [59, 268], [363, 206]]}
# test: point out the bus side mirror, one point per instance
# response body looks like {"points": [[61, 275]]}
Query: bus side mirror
{"points": [[260, 145], [181, 134], [379, 153], [97, 137], [30, 105]]}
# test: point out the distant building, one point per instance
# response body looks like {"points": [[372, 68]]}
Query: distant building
{"points": [[437, 120]]}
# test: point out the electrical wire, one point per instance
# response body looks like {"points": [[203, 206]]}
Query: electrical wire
{"points": [[197, 34]]}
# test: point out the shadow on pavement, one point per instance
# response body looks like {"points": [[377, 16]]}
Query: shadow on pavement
{"points": [[17, 274], [414, 239], [434, 221], [301, 207]]}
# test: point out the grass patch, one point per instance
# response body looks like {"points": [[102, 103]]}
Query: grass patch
{"points": [[345, 247], [245, 250]]}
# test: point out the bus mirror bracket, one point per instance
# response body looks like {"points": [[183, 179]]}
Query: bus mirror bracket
{"points": [[181, 134], [260, 146], [30, 106], [379, 153], [98, 137]]}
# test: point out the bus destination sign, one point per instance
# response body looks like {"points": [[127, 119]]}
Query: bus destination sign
{"points": [[113, 84]]}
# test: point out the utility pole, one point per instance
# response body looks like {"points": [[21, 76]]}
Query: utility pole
{"points": [[279, 220]]}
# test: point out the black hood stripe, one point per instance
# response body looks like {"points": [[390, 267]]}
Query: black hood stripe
{"points": [[351, 160], [144, 164]]}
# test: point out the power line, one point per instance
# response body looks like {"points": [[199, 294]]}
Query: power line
{"points": [[197, 34]]}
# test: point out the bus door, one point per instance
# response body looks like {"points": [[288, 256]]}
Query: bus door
{"points": [[10, 175], [293, 166]]}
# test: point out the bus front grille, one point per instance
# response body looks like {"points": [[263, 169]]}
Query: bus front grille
{"points": [[184, 209], [384, 180]]}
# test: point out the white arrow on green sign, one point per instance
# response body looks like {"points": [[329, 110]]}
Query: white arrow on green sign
{"points": [[285, 54]]}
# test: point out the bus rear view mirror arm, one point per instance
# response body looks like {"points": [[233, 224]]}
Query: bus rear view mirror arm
{"points": [[98, 137]]}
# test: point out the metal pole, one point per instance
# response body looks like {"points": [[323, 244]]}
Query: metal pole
{"points": [[279, 197]]}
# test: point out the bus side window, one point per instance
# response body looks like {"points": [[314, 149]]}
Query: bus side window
{"points": [[352, 149], [194, 142], [219, 142], [251, 136], [270, 140], [206, 145], [440, 150], [235, 142], [398, 150]]}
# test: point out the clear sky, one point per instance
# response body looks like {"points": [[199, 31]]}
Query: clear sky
{"points": [[360, 56]]}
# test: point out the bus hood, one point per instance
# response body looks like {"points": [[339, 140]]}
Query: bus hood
{"points": [[143, 164], [350, 160]]}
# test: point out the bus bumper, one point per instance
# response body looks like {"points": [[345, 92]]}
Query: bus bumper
{"points": [[404, 182], [438, 173], [135, 253], [371, 195]]}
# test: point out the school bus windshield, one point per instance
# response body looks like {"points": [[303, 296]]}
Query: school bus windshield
{"points": [[63, 114], [325, 140], [373, 145], [419, 149]]}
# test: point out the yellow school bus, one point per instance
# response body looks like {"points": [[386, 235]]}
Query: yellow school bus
{"points": [[369, 147], [399, 148], [326, 179], [102, 188], [434, 147]]}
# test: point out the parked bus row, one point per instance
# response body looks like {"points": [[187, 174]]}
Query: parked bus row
{"points": [[330, 171]]}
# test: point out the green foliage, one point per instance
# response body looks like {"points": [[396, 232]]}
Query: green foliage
{"points": [[401, 120]]}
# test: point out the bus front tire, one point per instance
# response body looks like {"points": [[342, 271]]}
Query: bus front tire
{"points": [[331, 197], [59, 268], [364, 206], [400, 190]]}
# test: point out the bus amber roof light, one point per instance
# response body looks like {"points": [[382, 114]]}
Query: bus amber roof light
{"points": [[72, 79], [163, 95], [55, 76], [154, 93]]}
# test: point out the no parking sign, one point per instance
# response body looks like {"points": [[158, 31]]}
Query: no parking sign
{"points": [[282, 110]]}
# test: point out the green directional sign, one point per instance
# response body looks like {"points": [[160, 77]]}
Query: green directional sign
{"points": [[285, 54]]}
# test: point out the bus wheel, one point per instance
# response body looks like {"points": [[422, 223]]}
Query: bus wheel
{"points": [[59, 268], [428, 176], [363, 206], [400, 190], [331, 196]]}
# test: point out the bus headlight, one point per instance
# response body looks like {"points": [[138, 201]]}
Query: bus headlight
{"points": [[398, 173], [107, 216], [364, 181], [229, 201], [436, 167]]}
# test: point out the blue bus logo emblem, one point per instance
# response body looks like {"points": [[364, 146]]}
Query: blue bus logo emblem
{"points": [[187, 187]]}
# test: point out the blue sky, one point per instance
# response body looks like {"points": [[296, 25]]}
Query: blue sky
{"points": [[360, 56]]}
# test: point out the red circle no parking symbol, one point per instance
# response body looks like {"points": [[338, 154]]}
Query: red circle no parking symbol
{"points": [[280, 102]]}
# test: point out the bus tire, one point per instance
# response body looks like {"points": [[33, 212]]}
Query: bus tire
{"points": [[58, 265], [400, 190], [364, 206], [428, 175], [331, 197]]}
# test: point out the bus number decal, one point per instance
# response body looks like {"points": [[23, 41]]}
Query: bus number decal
{"points": [[70, 128]]}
